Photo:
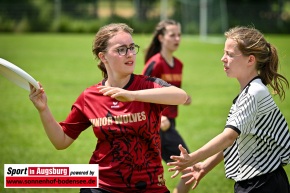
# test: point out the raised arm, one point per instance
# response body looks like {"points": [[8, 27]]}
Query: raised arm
{"points": [[52, 128]]}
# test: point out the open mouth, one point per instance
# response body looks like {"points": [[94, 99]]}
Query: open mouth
{"points": [[130, 63], [225, 68]]}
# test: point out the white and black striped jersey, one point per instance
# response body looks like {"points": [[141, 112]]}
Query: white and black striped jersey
{"points": [[264, 139]]}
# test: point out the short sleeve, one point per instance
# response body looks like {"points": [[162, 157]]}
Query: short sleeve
{"points": [[76, 121], [243, 114]]}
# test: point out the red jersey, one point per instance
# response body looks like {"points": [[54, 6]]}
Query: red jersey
{"points": [[157, 66], [128, 147]]}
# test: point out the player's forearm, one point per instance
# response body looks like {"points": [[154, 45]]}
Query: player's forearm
{"points": [[212, 161], [166, 95], [214, 146], [53, 130]]}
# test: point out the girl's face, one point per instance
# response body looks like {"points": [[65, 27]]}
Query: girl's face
{"points": [[120, 56], [235, 63], [171, 39]]}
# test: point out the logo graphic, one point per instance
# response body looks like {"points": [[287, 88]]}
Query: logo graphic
{"points": [[51, 175], [115, 105]]}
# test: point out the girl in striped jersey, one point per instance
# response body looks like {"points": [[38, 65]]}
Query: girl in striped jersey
{"points": [[255, 144]]}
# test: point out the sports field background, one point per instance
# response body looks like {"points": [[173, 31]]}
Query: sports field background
{"points": [[65, 66]]}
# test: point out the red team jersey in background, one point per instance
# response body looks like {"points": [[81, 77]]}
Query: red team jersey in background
{"points": [[128, 147], [156, 66]]}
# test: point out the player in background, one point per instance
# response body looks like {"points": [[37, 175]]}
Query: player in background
{"points": [[161, 63]]}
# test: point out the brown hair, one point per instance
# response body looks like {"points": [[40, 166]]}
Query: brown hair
{"points": [[102, 37], [155, 45], [252, 42]]}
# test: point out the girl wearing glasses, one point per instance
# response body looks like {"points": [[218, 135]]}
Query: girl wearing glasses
{"points": [[255, 143], [160, 63], [124, 111]]}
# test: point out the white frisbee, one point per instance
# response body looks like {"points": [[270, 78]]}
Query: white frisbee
{"points": [[17, 75]]}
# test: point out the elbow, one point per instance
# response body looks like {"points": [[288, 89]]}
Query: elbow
{"points": [[230, 137], [61, 146], [184, 97], [228, 142], [180, 96], [62, 142]]}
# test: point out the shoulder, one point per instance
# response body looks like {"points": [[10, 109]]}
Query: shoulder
{"points": [[93, 88], [258, 89], [154, 66], [157, 56], [149, 82], [156, 59], [177, 61], [89, 91]]}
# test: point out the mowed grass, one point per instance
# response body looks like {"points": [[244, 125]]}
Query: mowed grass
{"points": [[65, 66]]}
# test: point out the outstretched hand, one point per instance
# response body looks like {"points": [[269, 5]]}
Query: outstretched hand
{"points": [[180, 162], [195, 173], [117, 93]]}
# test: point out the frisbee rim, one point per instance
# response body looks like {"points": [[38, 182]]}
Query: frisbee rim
{"points": [[17, 75]]}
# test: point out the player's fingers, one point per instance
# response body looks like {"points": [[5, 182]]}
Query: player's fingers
{"points": [[191, 180], [31, 86], [186, 175], [175, 174], [195, 185], [175, 168], [174, 163], [104, 89], [108, 92], [34, 92], [188, 169], [182, 149]]}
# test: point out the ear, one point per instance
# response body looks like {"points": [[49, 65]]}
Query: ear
{"points": [[160, 37], [252, 60], [102, 57]]}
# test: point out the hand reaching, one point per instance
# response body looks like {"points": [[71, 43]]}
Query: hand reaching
{"points": [[180, 163], [195, 173]]}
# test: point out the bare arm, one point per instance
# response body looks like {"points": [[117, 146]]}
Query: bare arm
{"points": [[212, 161], [166, 95], [214, 146], [52, 128], [196, 172]]}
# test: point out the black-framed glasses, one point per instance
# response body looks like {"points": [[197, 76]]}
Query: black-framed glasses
{"points": [[123, 50]]}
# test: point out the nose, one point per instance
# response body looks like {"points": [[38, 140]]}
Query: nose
{"points": [[130, 53], [223, 58]]}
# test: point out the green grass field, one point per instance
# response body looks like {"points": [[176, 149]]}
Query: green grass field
{"points": [[65, 66]]}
